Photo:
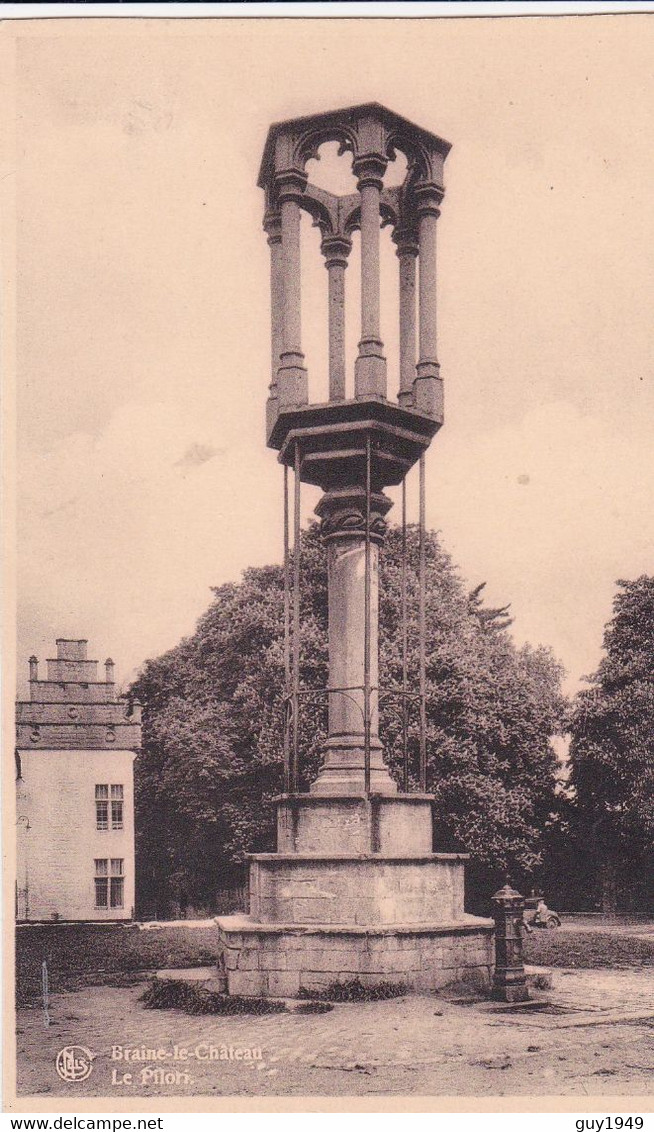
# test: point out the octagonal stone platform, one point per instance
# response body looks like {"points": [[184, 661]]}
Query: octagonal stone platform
{"points": [[370, 889], [354, 891], [288, 960], [333, 438], [393, 824]]}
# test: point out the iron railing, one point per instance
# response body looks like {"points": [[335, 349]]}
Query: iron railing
{"points": [[294, 693]]}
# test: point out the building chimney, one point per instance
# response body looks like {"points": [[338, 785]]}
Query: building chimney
{"points": [[68, 649], [34, 668], [109, 670]]}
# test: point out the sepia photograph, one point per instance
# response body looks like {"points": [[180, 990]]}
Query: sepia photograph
{"points": [[329, 389]]}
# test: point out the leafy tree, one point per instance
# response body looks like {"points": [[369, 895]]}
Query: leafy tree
{"points": [[612, 751], [494, 619], [212, 757]]}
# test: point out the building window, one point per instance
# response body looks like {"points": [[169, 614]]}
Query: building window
{"points": [[109, 882], [102, 807], [117, 883], [101, 883], [102, 799], [116, 807]]}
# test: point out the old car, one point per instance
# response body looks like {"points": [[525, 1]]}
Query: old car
{"points": [[538, 915]]}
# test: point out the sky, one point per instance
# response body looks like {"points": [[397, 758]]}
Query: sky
{"points": [[143, 311]]}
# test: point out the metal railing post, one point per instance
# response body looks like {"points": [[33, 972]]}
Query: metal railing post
{"points": [[405, 651], [366, 643], [287, 643], [422, 643], [296, 624]]}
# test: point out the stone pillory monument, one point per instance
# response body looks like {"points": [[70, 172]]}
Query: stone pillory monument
{"points": [[355, 889]]}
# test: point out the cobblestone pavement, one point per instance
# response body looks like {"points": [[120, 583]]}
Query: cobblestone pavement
{"points": [[600, 1042]]}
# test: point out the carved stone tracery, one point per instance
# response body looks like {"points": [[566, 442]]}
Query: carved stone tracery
{"points": [[374, 136]]}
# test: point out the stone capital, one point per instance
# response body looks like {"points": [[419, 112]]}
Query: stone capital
{"points": [[343, 515], [290, 185], [369, 169], [406, 241], [336, 250], [428, 197]]}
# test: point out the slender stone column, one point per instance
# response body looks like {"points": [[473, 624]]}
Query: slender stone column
{"points": [[273, 228], [428, 393], [336, 250], [292, 378], [407, 251], [370, 366], [343, 528]]}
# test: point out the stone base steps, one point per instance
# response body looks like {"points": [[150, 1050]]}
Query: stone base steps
{"points": [[289, 960]]}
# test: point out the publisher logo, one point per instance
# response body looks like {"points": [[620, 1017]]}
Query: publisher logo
{"points": [[74, 1063]]}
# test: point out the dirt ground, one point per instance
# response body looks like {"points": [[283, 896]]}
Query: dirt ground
{"points": [[596, 1038]]}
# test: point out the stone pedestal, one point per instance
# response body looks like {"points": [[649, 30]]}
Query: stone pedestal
{"points": [[398, 825], [354, 891]]}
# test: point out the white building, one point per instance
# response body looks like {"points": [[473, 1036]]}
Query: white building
{"points": [[75, 750]]}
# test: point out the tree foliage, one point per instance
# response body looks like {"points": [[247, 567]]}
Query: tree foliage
{"points": [[212, 758], [612, 748]]}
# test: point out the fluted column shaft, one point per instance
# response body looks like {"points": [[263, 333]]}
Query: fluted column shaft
{"points": [[345, 567], [292, 329], [292, 379], [428, 390], [344, 531], [336, 250], [370, 365], [273, 228], [428, 338], [370, 220], [407, 251]]}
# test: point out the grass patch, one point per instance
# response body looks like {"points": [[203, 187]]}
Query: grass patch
{"points": [[587, 949], [80, 955], [174, 994], [355, 991]]}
